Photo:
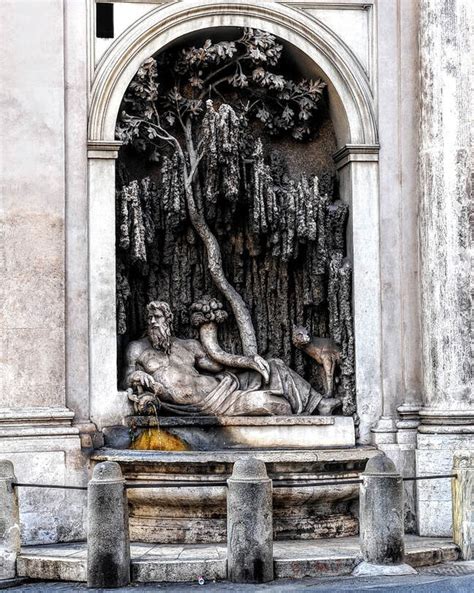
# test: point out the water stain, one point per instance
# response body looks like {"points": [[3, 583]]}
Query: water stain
{"points": [[156, 439]]}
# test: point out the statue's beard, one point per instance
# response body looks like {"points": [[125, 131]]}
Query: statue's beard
{"points": [[160, 337]]}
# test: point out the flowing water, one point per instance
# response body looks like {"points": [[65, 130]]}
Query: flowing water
{"points": [[156, 439]]}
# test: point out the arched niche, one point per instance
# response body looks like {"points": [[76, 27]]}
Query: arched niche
{"points": [[352, 113]]}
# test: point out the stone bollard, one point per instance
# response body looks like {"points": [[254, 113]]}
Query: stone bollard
{"points": [[249, 523], [381, 520], [108, 542], [9, 521], [463, 502]]}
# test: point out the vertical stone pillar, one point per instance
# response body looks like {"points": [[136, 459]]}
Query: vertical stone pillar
{"points": [[445, 167], [463, 502], [249, 523], [381, 520], [107, 405], [108, 543], [9, 522], [357, 165]]}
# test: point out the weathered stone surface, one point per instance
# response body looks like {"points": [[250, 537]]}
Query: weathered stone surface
{"points": [[434, 455], [179, 571], [368, 569], [33, 235], [164, 562], [249, 523], [52, 568], [44, 447], [445, 167], [381, 519], [198, 514], [286, 432], [9, 521], [117, 437], [108, 545], [463, 502]]}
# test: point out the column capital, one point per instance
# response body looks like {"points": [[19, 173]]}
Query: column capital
{"points": [[103, 149], [356, 152]]}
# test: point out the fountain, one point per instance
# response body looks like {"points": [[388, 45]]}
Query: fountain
{"points": [[233, 292]]}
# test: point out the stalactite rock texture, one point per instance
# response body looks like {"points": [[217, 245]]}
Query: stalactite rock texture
{"points": [[212, 208]]}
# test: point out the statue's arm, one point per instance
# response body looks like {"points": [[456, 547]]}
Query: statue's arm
{"points": [[202, 361], [133, 375]]}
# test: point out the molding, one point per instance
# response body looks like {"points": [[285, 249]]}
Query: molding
{"points": [[336, 5], [446, 416], [100, 149], [366, 153], [384, 432], [35, 415], [409, 416], [434, 421], [341, 5], [164, 24], [38, 432], [133, 1], [40, 422]]}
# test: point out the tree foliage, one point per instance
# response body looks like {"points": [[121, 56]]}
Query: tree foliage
{"points": [[241, 72]]}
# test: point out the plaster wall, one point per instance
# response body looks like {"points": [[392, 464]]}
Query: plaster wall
{"points": [[35, 424]]}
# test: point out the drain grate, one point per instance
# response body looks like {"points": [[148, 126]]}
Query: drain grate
{"points": [[450, 570]]}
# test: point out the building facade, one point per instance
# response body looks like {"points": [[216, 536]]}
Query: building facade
{"points": [[400, 86]]}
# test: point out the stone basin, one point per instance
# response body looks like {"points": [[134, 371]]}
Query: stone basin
{"points": [[197, 514], [255, 432]]}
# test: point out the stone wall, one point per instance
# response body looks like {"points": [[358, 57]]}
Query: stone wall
{"points": [[445, 176], [49, 61], [35, 425]]}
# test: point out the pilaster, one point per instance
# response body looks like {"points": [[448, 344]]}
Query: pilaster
{"points": [[445, 167], [107, 405], [357, 166]]}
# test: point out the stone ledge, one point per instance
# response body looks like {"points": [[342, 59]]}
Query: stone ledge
{"points": [[35, 415], [127, 456], [256, 432], [171, 421], [34, 422], [184, 563]]}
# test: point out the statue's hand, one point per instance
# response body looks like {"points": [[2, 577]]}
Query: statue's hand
{"points": [[141, 378], [262, 367]]}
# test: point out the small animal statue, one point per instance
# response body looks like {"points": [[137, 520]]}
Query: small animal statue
{"points": [[324, 351]]}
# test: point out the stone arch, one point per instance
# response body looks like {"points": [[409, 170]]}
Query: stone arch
{"points": [[350, 94], [355, 125]]}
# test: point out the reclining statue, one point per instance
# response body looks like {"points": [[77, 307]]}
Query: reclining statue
{"points": [[192, 377]]}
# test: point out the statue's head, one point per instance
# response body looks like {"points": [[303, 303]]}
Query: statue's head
{"points": [[300, 336], [159, 320]]}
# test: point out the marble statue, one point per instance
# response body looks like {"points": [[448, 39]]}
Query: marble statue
{"points": [[324, 351], [192, 377]]}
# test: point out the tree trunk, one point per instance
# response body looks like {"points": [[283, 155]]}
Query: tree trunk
{"points": [[214, 257]]}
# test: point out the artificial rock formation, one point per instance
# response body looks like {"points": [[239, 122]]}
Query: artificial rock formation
{"points": [[216, 211]]}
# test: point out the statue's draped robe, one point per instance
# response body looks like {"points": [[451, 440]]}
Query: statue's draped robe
{"points": [[243, 394]]}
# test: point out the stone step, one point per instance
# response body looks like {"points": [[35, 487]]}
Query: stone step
{"points": [[186, 563]]}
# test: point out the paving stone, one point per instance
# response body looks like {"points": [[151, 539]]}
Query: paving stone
{"points": [[176, 571], [60, 568]]}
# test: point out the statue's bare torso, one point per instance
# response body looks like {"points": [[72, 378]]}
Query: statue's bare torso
{"points": [[183, 383]]}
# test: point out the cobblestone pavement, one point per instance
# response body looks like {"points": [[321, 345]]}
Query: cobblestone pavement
{"points": [[452, 578]]}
